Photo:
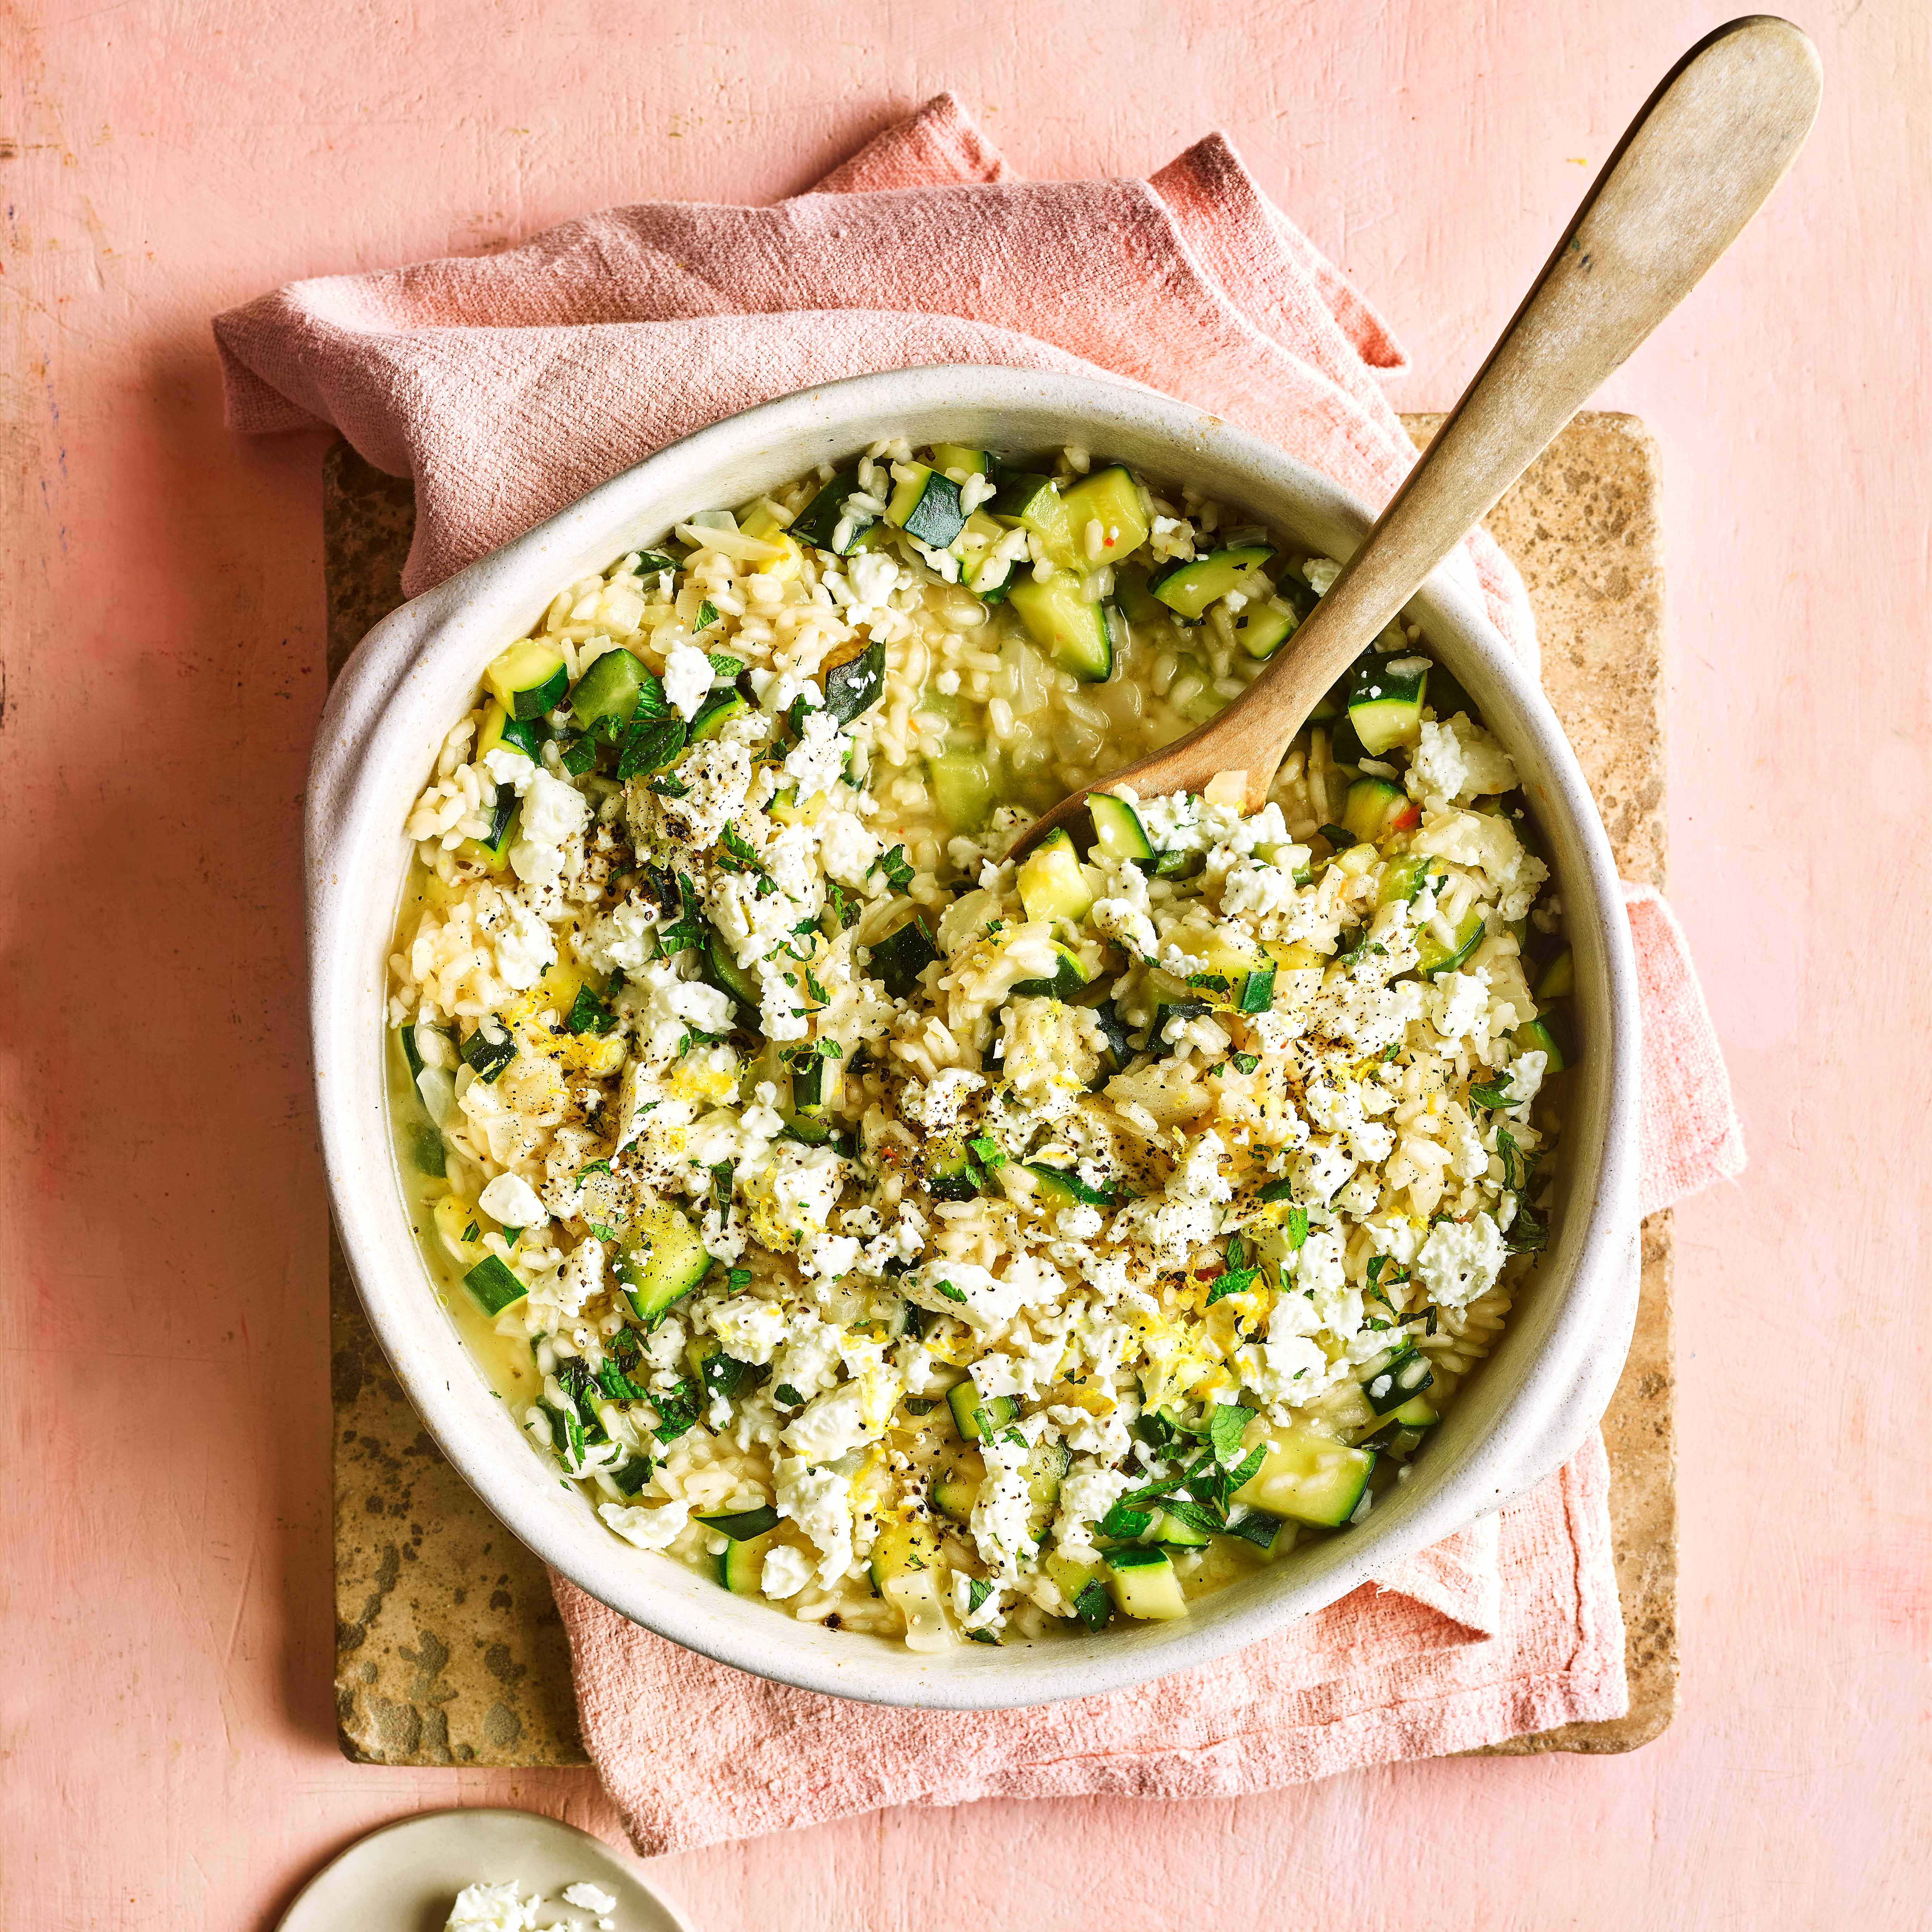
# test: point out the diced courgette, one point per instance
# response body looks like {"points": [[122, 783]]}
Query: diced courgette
{"points": [[660, 1259], [1435, 958], [1070, 980], [1065, 623], [1113, 499], [1402, 878], [903, 1550], [1144, 1584], [1307, 1474], [956, 1489], [1136, 600], [717, 711], [1045, 1468], [1536, 1037], [897, 959], [926, 505], [1261, 629], [1405, 1375], [818, 523], [962, 790], [973, 1415], [1031, 503], [1051, 884], [961, 456], [1086, 1595], [1188, 588], [1118, 834], [494, 1285], [1558, 981], [741, 1567], [1375, 809], [530, 678], [1062, 1187], [720, 968], [500, 728], [948, 1172], [610, 688], [742, 1525], [1385, 707], [494, 851], [1177, 1533]]}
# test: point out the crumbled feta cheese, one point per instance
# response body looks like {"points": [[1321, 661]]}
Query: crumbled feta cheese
{"points": [[648, 1528], [511, 1200], [817, 762], [687, 679], [747, 1330], [494, 1907], [784, 1572], [554, 812], [819, 1501], [1461, 1260]]}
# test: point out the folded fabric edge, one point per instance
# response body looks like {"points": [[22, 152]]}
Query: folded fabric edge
{"points": [[1692, 1136], [939, 142]]}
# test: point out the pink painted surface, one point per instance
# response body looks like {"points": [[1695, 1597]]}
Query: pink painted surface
{"points": [[163, 1546]]}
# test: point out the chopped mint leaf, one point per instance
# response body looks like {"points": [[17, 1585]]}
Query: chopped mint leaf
{"points": [[1246, 1063], [1494, 1094], [789, 1396], [897, 869], [707, 615], [470, 1233], [1125, 1524], [740, 856], [1297, 1229], [677, 1410], [1094, 1606], [650, 744], [951, 1293], [1226, 1426], [723, 665], [589, 1014], [1235, 1281]]}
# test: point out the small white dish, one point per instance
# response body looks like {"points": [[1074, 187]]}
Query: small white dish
{"points": [[1544, 1387], [405, 1877]]}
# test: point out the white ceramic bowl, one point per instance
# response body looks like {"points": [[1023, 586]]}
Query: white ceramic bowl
{"points": [[1546, 1385]]}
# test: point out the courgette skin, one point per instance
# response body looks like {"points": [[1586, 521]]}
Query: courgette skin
{"points": [[660, 1260], [974, 1416], [897, 961], [1118, 833], [1144, 1584], [1188, 588], [1065, 623], [818, 523]]}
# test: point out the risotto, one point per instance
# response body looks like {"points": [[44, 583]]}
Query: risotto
{"points": [[931, 1244]]}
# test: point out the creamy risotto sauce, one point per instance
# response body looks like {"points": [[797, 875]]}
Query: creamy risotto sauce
{"points": [[931, 1245]]}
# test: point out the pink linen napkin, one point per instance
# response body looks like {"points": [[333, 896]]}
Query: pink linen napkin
{"points": [[509, 384]]}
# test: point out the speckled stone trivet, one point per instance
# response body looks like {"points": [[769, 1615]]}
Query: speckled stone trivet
{"points": [[448, 1647]]}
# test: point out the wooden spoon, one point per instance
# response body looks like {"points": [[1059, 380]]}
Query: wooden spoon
{"points": [[1710, 144]]}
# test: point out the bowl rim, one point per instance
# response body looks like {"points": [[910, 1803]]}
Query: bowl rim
{"points": [[374, 732]]}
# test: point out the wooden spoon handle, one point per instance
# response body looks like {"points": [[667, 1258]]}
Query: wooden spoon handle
{"points": [[1710, 144]]}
